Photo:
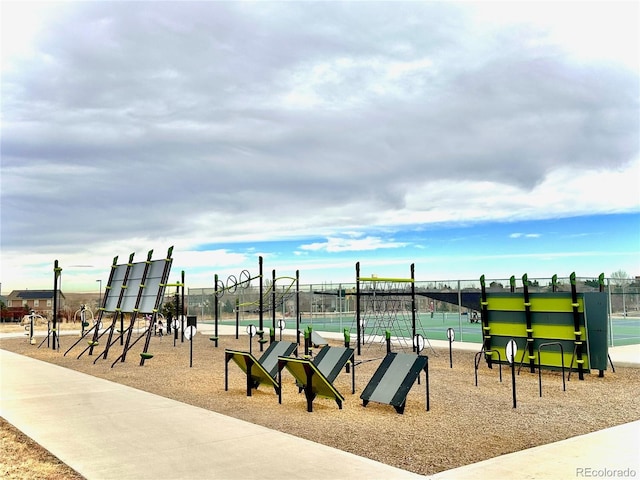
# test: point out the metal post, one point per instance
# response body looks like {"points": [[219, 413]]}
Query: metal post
{"points": [[273, 299], [261, 301], [175, 323], [237, 316], [215, 307], [340, 305], [183, 311], [31, 319], [413, 302], [460, 312], [513, 380], [426, 373], [610, 313], [358, 328], [298, 307], [56, 275]]}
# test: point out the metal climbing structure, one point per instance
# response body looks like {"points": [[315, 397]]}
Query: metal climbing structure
{"points": [[132, 289], [385, 304], [278, 292]]}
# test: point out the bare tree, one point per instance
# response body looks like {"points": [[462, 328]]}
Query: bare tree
{"points": [[620, 278]]}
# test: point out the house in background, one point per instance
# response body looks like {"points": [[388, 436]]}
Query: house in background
{"points": [[41, 301]]}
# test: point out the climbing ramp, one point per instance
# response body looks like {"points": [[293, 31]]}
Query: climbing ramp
{"points": [[316, 376], [258, 371], [393, 380]]}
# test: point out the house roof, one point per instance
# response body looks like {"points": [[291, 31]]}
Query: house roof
{"points": [[35, 294]]}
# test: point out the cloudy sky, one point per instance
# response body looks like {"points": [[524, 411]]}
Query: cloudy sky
{"points": [[467, 138]]}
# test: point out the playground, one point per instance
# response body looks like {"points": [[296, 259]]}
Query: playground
{"points": [[380, 383], [464, 424]]}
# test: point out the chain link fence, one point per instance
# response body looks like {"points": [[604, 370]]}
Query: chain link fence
{"points": [[443, 303]]}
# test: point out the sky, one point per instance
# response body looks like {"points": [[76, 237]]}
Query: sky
{"points": [[466, 138]]}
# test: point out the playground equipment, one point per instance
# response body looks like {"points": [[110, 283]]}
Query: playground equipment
{"points": [[52, 338], [395, 376], [177, 324], [81, 314], [315, 376], [190, 332], [385, 304], [552, 329], [30, 328], [267, 301], [258, 371], [313, 339], [133, 289], [231, 286]]}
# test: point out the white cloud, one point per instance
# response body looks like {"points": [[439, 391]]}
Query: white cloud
{"points": [[524, 235], [334, 244], [579, 28], [128, 126]]}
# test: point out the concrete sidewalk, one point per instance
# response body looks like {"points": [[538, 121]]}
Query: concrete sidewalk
{"points": [[139, 435], [602, 454], [105, 430]]}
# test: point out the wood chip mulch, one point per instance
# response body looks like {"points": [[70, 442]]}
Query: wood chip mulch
{"points": [[465, 424]]}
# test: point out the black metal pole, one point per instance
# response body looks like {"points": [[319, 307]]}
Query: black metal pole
{"points": [[183, 311], [527, 312], [215, 308], [358, 328], [576, 328], [56, 274], [426, 373], [237, 317], [513, 380], [261, 300], [486, 335], [413, 303], [175, 323], [31, 319], [298, 307], [273, 300]]}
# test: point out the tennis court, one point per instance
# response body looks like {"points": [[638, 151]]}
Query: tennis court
{"points": [[623, 330]]}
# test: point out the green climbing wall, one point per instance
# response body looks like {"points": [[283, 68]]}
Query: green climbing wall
{"points": [[552, 320]]}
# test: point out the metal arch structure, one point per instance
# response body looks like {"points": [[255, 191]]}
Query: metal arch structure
{"points": [[82, 312], [231, 286], [267, 300], [280, 300]]}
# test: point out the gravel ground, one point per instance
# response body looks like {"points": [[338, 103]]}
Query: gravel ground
{"points": [[465, 424], [24, 459]]}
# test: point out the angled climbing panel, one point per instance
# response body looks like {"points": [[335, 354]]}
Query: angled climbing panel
{"points": [[393, 379]]}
